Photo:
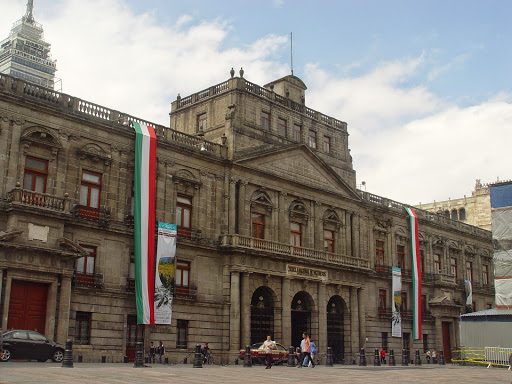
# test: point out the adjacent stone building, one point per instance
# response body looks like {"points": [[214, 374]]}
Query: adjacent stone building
{"points": [[473, 210], [273, 236]]}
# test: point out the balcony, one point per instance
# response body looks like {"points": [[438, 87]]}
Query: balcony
{"points": [[186, 293], [101, 215], [298, 253], [39, 200], [87, 280]]}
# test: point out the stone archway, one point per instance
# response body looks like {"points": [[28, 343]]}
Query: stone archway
{"points": [[262, 314], [302, 306], [336, 310]]}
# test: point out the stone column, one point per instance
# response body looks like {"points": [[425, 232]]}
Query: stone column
{"points": [[232, 206], [283, 224], [456, 331], [322, 317], [348, 234], [243, 225], [234, 313], [64, 309], [286, 314], [51, 308], [362, 317], [245, 304], [439, 334], [16, 158], [354, 321]]}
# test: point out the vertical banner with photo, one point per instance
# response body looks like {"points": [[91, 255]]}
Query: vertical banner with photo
{"points": [[396, 317], [165, 268]]}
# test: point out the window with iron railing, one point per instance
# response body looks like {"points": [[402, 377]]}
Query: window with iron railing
{"points": [[90, 191], [82, 328]]}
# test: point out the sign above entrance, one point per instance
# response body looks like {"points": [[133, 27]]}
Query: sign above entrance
{"points": [[301, 271]]}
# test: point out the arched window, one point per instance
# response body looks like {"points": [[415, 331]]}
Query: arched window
{"points": [[455, 215], [462, 214]]}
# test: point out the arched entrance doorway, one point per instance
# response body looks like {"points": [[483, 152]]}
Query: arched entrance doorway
{"points": [[336, 309], [262, 315], [302, 304]]}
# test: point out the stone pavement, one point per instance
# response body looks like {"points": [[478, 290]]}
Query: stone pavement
{"points": [[84, 373]]}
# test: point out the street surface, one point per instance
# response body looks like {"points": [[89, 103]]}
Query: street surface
{"points": [[85, 373]]}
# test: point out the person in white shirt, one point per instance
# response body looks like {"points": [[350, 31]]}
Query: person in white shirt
{"points": [[268, 346]]}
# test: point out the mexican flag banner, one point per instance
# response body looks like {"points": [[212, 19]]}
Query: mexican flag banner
{"points": [[416, 274], [144, 221]]}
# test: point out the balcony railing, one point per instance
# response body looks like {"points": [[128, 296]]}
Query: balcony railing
{"points": [[246, 242], [88, 280], [101, 214], [187, 293], [37, 199]]}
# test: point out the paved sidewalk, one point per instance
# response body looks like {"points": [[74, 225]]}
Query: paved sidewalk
{"points": [[83, 373]]}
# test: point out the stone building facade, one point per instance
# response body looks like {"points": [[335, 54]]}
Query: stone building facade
{"points": [[273, 236], [473, 210]]}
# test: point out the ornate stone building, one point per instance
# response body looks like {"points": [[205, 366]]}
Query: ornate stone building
{"points": [[273, 236], [473, 210]]}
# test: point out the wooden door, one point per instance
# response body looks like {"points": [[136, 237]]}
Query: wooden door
{"points": [[447, 346], [27, 306]]}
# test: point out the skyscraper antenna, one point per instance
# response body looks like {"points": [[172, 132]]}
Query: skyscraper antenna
{"points": [[30, 8], [291, 50]]}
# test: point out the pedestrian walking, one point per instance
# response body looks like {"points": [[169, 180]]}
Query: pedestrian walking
{"points": [[268, 346], [305, 346], [160, 351], [313, 354], [383, 356]]}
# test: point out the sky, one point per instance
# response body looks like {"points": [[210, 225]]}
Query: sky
{"points": [[424, 85]]}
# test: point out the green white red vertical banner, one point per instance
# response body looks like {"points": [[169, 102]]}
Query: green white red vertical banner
{"points": [[144, 221], [416, 274]]}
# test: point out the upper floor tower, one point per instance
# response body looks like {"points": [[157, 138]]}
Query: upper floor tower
{"points": [[252, 120], [25, 54]]}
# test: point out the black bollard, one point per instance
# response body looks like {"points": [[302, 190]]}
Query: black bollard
{"points": [[166, 360], [67, 361], [291, 356], [405, 358], [376, 359], [80, 358], [125, 359], [185, 360], [362, 358], [330, 357], [198, 357], [247, 357], [392, 362], [417, 358], [103, 359], [139, 355], [441, 358]]}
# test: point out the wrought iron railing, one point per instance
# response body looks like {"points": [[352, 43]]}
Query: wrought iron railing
{"points": [[88, 280]]}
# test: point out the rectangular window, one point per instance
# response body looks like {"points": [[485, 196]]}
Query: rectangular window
{"points": [[265, 121], [85, 264], [425, 342], [184, 215], [384, 337], [258, 225], [382, 300], [281, 127], [379, 252], [326, 144], [201, 122], [453, 268], [296, 234], [400, 253], [181, 334], [36, 172], [437, 264], [469, 271], [329, 241], [182, 278], [297, 133], [485, 276], [82, 328], [90, 191], [312, 139], [422, 261], [131, 269], [403, 304]]}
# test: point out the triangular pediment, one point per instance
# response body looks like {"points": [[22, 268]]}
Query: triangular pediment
{"points": [[299, 164]]}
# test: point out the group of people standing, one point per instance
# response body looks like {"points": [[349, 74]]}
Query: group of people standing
{"points": [[305, 353], [158, 351]]}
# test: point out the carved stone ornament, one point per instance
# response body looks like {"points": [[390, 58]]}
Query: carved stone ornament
{"points": [[41, 136], [95, 153]]}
